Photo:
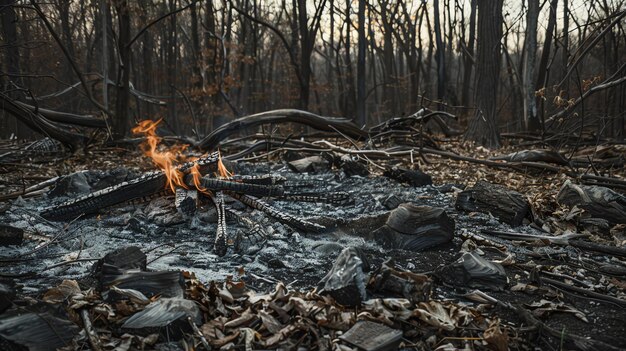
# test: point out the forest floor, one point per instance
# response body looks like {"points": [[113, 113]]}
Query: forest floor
{"points": [[260, 295]]}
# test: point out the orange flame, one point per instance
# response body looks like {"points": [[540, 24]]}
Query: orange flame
{"points": [[195, 172], [222, 171], [164, 160]]}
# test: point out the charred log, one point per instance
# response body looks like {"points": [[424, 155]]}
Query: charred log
{"points": [[509, 206], [37, 122], [65, 117], [328, 124], [146, 185]]}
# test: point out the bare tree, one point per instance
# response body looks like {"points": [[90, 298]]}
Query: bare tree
{"points": [[483, 128], [531, 119]]}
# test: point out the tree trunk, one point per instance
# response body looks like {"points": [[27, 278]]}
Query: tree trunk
{"points": [[172, 69], [12, 59], [440, 57], [360, 70], [468, 62], [121, 123], [307, 41], [542, 73], [483, 128], [531, 119]]}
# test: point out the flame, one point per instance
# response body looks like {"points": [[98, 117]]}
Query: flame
{"points": [[222, 171], [195, 172], [164, 160]]}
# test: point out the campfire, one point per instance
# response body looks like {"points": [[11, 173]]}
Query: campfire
{"points": [[193, 180]]}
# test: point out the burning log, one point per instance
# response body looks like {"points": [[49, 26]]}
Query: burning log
{"points": [[145, 185], [214, 184], [507, 205]]}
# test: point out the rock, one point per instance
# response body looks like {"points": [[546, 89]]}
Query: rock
{"points": [[415, 228], [186, 201], [352, 167], [597, 201], [345, 281], [7, 294], [507, 205], [168, 317], [473, 271], [311, 164], [121, 260], [10, 235], [161, 283], [72, 184], [412, 286], [38, 331], [391, 202], [409, 176], [371, 336]]}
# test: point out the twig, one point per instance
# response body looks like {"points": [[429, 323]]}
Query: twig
{"points": [[94, 340], [199, 334]]}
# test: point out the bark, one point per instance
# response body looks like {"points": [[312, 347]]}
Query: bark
{"points": [[121, 122], [8, 18], [360, 104], [328, 124], [542, 73], [468, 61], [531, 119], [440, 56], [483, 128]]}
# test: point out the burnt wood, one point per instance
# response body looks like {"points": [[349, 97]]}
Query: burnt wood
{"points": [[10, 235], [507, 205], [220, 246], [282, 217], [328, 124], [143, 186]]}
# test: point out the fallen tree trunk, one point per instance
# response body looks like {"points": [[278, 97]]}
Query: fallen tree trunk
{"points": [[329, 124], [64, 117], [39, 123]]}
